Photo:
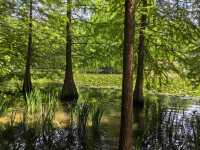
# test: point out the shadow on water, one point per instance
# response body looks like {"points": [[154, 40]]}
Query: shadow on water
{"points": [[43, 123], [138, 126]]}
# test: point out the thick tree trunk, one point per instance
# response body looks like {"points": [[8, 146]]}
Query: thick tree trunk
{"points": [[138, 97], [69, 91], [125, 141], [27, 84]]}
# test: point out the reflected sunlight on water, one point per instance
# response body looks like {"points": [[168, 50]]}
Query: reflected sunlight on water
{"points": [[165, 123]]}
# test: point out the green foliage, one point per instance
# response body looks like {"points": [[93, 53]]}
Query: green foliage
{"points": [[172, 42]]}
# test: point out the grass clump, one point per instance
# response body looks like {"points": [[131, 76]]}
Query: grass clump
{"points": [[3, 104], [96, 115], [40, 108]]}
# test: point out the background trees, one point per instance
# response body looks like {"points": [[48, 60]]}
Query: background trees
{"points": [[167, 34], [172, 39]]}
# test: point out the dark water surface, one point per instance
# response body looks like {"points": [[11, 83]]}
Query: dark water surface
{"points": [[166, 122]]}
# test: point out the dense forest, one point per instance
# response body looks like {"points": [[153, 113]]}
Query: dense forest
{"points": [[99, 74]]}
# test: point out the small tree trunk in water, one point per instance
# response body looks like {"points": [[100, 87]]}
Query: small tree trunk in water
{"points": [[138, 98], [69, 91], [27, 84], [125, 141]]}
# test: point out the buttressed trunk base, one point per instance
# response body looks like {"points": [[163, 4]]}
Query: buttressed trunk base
{"points": [[69, 91], [27, 85], [138, 98]]}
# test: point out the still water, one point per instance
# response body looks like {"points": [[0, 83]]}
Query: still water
{"points": [[43, 123]]}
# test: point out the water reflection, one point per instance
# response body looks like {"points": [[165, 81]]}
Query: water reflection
{"points": [[56, 139], [166, 122], [172, 126]]}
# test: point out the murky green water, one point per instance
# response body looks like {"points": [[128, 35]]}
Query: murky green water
{"points": [[166, 122]]}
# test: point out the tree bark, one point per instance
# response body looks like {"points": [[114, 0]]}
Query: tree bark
{"points": [[125, 141], [69, 91], [27, 84], [138, 97]]}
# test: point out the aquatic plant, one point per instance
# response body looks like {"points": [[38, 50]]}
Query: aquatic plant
{"points": [[48, 110], [96, 115], [3, 103], [88, 111], [12, 118], [34, 101], [40, 109], [83, 114]]}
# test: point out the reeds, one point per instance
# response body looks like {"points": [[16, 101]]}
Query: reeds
{"points": [[37, 115], [96, 115], [3, 103], [40, 109]]}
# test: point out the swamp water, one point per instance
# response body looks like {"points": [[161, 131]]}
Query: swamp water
{"points": [[43, 123]]}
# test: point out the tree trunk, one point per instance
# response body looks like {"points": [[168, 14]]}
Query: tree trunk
{"points": [[138, 98], [125, 141], [69, 91], [27, 84]]}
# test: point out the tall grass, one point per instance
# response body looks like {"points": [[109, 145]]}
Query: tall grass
{"points": [[96, 115], [3, 104], [38, 115], [34, 102], [40, 109], [83, 114]]}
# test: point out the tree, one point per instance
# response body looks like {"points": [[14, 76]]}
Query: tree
{"points": [[138, 98], [125, 142], [69, 91], [27, 84]]}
